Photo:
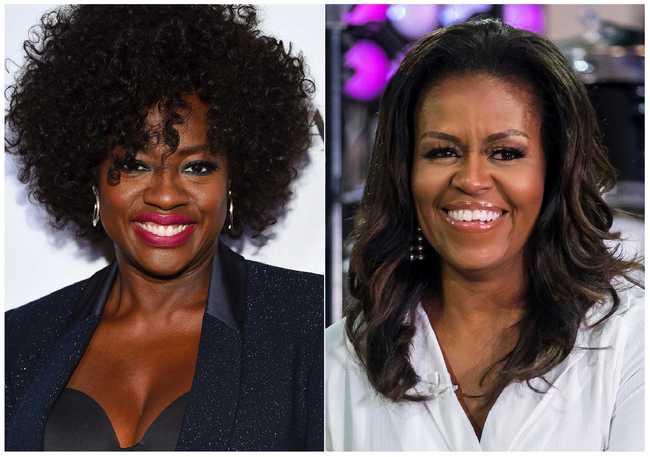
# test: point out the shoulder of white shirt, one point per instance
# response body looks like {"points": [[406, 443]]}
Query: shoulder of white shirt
{"points": [[630, 306], [337, 344]]}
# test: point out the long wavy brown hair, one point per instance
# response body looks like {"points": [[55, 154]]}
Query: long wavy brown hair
{"points": [[568, 263]]}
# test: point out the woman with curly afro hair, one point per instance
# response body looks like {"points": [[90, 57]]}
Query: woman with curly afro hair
{"points": [[159, 128]]}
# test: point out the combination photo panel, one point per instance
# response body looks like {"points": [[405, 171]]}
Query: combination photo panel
{"points": [[324, 227]]}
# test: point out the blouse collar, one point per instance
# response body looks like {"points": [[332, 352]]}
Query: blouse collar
{"points": [[427, 359]]}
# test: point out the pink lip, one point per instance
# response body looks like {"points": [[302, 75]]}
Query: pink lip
{"points": [[163, 241], [164, 219], [472, 205], [472, 226]]}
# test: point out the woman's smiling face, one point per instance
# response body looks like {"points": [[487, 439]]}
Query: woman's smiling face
{"points": [[167, 210], [478, 170]]}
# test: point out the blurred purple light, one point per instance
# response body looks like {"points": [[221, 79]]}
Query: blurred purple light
{"points": [[370, 65], [528, 17], [413, 21], [453, 14], [395, 63], [362, 14]]}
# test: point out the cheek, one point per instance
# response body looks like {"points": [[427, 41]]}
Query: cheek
{"points": [[427, 184], [116, 203], [528, 195], [214, 204], [117, 199]]}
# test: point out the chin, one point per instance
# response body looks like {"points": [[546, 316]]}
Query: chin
{"points": [[163, 270], [476, 263], [162, 263]]}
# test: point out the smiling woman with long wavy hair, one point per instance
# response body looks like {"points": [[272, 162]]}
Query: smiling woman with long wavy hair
{"points": [[158, 128], [489, 310]]}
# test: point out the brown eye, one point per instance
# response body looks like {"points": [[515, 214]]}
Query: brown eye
{"points": [[199, 168], [507, 154], [134, 166], [441, 153]]}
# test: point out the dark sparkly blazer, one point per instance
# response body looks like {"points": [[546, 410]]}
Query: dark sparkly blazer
{"points": [[258, 383]]}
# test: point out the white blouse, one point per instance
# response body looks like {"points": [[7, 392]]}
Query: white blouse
{"points": [[596, 403]]}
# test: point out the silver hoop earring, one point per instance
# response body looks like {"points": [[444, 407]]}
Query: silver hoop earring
{"points": [[95, 218], [231, 211], [416, 250]]}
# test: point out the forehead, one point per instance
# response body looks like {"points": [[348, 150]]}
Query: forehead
{"points": [[478, 99]]}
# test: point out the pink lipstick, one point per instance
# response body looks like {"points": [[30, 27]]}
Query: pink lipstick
{"points": [[163, 230]]}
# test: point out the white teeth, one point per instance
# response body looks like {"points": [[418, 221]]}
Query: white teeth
{"points": [[162, 230], [467, 215]]}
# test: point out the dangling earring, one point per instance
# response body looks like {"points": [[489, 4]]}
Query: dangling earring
{"points": [[231, 211], [95, 218], [416, 251]]}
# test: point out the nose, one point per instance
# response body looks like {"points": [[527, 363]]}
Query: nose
{"points": [[473, 176], [165, 189]]}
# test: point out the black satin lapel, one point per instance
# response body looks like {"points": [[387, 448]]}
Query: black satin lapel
{"points": [[96, 298], [212, 405], [233, 277], [28, 425]]}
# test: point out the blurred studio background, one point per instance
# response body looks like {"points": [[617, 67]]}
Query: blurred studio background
{"points": [[365, 44]]}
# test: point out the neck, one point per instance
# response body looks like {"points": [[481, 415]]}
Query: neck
{"points": [[479, 302], [138, 294]]}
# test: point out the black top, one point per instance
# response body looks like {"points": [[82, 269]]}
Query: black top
{"points": [[258, 383], [78, 423]]}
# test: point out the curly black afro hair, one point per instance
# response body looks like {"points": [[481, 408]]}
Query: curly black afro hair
{"points": [[93, 72]]}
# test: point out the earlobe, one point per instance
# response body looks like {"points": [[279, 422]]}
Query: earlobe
{"points": [[230, 210], [95, 217]]}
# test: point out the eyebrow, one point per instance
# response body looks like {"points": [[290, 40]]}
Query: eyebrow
{"points": [[490, 138], [501, 135]]}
